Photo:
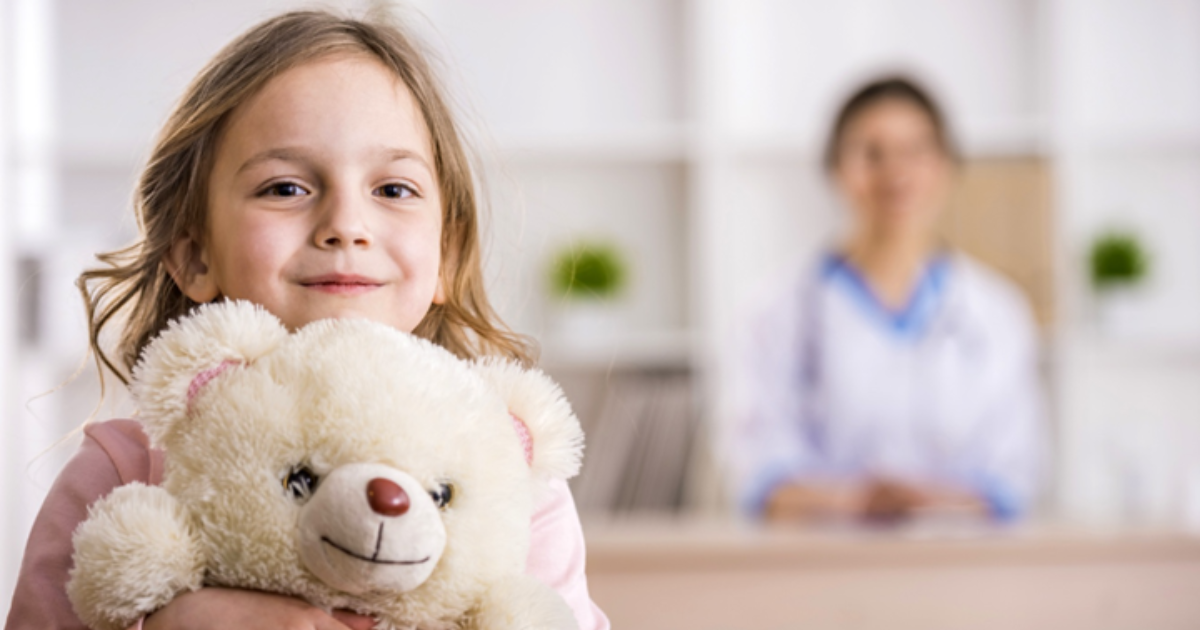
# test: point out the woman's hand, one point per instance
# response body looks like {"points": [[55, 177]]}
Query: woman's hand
{"points": [[878, 500], [212, 608], [798, 502], [889, 501]]}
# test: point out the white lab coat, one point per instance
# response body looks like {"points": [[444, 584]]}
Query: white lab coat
{"points": [[836, 387]]}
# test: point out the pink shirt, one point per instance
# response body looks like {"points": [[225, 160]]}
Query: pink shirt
{"points": [[117, 452]]}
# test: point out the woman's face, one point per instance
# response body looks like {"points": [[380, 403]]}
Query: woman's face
{"points": [[892, 171]]}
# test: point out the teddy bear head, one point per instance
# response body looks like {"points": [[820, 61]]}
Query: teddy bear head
{"points": [[349, 463]]}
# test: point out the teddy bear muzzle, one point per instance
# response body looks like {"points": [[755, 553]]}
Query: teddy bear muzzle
{"points": [[371, 527]]}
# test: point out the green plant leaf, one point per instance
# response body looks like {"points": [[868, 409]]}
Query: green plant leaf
{"points": [[1117, 259], [587, 270]]}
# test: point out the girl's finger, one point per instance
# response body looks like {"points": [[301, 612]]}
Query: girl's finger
{"points": [[354, 621]]}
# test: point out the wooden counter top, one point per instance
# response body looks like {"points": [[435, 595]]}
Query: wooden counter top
{"points": [[698, 574], [665, 544]]}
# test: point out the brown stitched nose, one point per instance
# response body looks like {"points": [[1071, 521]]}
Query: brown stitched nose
{"points": [[387, 497]]}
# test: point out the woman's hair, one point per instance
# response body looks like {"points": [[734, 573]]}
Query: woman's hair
{"points": [[879, 91], [135, 288]]}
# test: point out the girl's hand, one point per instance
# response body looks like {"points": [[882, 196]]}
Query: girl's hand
{"points": [[354, 621], [212, 607]]}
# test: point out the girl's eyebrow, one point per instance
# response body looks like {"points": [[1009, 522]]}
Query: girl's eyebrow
{"points": [[395, 155], [286, 154], [296, 154]]}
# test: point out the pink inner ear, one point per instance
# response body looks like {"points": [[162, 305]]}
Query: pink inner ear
{"points": [[204, 377], [525, 437]]}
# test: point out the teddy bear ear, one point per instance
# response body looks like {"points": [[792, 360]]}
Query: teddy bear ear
{"points": [[542, 417], [174, 368]]}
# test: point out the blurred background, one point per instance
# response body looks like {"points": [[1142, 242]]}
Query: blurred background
{"points": [[677, 143]]}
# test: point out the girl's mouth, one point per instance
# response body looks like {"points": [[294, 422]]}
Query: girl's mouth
{"points": [[341, 284]]}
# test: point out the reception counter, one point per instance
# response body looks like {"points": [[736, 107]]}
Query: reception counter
{"points": [[706, 575]]}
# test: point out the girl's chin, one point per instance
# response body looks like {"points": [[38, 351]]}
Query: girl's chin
{"points": [[396, 318]]}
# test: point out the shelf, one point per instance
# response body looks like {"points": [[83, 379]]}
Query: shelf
{"points": [[787, 145], [996, 138], [1092, 345], [126, 158], [1002, 138], [635, 350], [1135, 140], [652, 143]]}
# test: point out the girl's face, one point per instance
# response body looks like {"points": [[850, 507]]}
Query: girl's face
{"points": [[892, 170], [323, 201]]}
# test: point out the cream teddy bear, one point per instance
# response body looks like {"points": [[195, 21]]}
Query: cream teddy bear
{"points": [[347, 463]]}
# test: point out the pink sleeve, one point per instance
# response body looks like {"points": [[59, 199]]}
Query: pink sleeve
{"points": [[557, 555], [109, 453]]}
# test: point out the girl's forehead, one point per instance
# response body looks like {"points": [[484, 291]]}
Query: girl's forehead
{"points": [[339, 104]]}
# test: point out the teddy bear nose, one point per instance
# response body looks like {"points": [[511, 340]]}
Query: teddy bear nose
{"points": [[387, 497]]}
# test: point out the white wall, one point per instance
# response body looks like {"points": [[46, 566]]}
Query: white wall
{"points": [[9, 532], [25, 202]]}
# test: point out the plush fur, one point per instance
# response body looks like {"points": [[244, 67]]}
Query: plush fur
{"points": [[242, 407]]}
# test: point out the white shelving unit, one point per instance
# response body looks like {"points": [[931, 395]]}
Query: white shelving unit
{"points": [[1125, 139]]}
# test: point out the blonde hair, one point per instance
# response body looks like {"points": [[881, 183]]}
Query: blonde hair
{"points": [[171, 202]]}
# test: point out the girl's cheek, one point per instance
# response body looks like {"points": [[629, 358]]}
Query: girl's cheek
{"points": [[419, 244], [427, 259]]}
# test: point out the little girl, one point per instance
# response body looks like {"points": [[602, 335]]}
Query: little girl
{"points": [[313, 168]]}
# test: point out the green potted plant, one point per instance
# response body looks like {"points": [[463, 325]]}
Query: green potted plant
{"points": [[1117, 266], [587, 271], [585, 279], [1117, 261]]}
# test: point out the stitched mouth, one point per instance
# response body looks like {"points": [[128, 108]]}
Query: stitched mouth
{"points": [[374, 558]]}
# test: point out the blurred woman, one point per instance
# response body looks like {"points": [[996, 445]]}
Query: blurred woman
{"points": [[895, 376]]}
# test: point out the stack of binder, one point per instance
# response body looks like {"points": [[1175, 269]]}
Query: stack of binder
{"points": [[638, 446]]}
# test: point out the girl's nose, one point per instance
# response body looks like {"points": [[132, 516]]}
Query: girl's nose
{"points": [[387, 497], [343, 225]]}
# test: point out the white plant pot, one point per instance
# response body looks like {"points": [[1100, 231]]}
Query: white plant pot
{"points": [[586, 323], [1119, 311]]}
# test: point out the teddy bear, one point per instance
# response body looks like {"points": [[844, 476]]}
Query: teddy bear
{"points": [[346, 463]]}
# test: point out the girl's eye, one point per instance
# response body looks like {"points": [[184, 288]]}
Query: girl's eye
{"points": [[300, 482], [395, 191], [284, 189], [442, 494]]}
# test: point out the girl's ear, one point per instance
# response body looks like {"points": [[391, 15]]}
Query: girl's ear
{"points": [[187, 263], [439, 294], [551, 434], [184, 359], [446, 262]]}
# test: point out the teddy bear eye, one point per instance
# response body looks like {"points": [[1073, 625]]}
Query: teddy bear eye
{"points": [[442, 494], [300, 482]]}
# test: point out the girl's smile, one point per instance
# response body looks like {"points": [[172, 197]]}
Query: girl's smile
{"points": [[341, 284], [323, 201]]}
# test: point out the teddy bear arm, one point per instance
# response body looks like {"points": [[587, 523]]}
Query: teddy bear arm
{"points": [[133, 555], [522, 602]]}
